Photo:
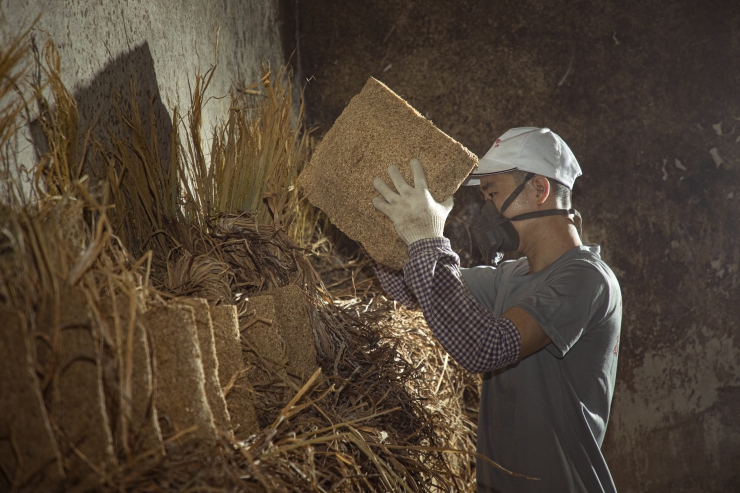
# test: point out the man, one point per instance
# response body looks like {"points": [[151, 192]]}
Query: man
{"points": [[543, 329]]}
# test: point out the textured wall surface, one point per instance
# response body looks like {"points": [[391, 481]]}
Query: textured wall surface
{"points": [[159, 45], [646, 95]]}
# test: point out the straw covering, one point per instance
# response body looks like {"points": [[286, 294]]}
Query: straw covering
{"points": [[119, 384]]}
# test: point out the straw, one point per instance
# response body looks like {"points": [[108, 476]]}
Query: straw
{"points": [[388, 411]]}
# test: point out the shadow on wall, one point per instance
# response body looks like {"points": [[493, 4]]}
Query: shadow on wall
{"points": [[128, 80]]}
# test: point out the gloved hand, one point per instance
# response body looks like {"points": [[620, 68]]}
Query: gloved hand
{"points": [[413, 211]]}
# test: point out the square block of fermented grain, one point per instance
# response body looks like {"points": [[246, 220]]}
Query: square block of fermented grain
{"points": [[234, 382], [294, 325], [204, 327], [264, 350], [142, 432], [179, 379], [375, 130], [77, 402], [263, 337], [25, 430]]}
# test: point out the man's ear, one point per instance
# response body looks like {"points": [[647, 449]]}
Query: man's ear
{"points": [[541, 187]]}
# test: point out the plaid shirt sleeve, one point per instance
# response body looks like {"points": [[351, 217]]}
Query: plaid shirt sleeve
{"points": [[466, 329], [394, 285]]}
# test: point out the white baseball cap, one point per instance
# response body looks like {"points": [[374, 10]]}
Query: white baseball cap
{"points": [[536, 150]]}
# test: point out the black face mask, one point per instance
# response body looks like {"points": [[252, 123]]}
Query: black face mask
{"points": [[496, 234]]}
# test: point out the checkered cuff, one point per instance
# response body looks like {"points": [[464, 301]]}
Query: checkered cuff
{"points": [[466, 329], [394, 285]]}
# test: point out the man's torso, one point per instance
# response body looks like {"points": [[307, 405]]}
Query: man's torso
{"points": [[546, 416]]}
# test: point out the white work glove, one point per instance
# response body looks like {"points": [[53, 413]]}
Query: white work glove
{"points": [[413, 211]]}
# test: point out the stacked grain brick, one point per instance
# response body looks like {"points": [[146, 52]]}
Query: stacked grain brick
{"points": [[236, 387]]}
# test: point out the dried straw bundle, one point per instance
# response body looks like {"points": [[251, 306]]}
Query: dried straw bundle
{"points": [[378, 415], [146, 195], [12, 70], [448, 391], [236, 255], [256, 155], [190, 216], [48, 281], [62, 162]]}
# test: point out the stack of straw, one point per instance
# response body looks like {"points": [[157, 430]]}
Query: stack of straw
{"points": [[95, 267]]}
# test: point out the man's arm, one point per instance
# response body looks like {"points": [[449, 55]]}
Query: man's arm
{"points": [[394, 285], [531, 334], [467, 330]]}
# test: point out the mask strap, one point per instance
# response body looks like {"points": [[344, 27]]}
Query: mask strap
{"points": [[577, 219], [549, 212], [512, 197]]}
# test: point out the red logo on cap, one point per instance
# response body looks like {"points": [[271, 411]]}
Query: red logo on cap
{"points": [[495, 144]]}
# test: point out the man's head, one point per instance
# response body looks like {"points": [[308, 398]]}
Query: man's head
{"points": [[527, 175]]}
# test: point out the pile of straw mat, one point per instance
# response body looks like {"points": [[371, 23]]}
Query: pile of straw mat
{"points": [[375, 130]]}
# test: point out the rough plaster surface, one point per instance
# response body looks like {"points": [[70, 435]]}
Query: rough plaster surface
{"points": [[645, 94], [159, 44]]}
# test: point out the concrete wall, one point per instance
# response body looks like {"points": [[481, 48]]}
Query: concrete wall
{"points": [[646, 95], [157, 44]]}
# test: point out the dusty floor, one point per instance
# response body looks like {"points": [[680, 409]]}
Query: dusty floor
{"points": [[647, 96]]}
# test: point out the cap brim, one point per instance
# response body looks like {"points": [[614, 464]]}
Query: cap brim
{"points": [[474, 178]]}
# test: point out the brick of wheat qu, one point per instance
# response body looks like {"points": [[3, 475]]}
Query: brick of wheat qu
{"points": [[28, 450], [204, 327], [180, 394], [78, 399], [264, 350], [294, 325], [143, 433], [375, 130], [234, 382]]}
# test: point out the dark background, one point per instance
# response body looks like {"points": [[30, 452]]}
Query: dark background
{"points": [[638, 89]]}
